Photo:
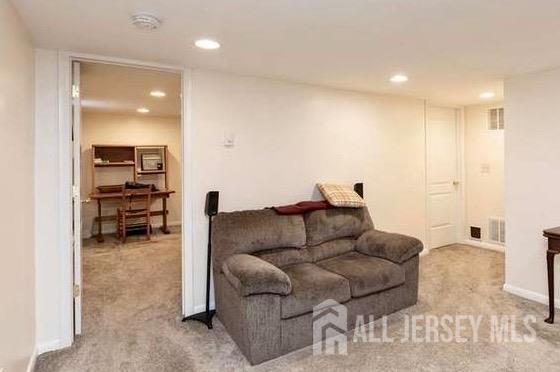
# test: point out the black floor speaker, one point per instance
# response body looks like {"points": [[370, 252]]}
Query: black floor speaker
{"points": [[211, 209]]}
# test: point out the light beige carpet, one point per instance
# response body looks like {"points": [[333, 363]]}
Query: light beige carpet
{"points": [[132, 320]]}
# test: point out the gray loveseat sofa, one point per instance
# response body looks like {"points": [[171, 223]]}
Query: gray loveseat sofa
{"points": [[271, 270]]}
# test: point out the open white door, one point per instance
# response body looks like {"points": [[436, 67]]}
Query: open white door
{"points": [[442, 177], [76, 200]]}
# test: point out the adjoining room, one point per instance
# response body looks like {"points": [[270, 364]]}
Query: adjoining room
{"points": [[130, 177]]}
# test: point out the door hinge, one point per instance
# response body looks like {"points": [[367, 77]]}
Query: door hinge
{"points": [[76, 290], [75, 91], [75, 192]]}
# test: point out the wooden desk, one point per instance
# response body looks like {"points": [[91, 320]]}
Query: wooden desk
{"points": [[553, 236], [100, 197]]}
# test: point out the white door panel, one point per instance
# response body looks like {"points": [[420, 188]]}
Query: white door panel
{"points": [[442, 175], [442, 211]]}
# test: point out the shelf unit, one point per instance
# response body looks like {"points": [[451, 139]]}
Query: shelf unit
{"points": [[143, 160], [156, 156], [115, 164], [151, 172]]}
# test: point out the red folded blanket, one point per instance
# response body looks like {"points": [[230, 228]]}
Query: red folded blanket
{"points": [[302, 207]]}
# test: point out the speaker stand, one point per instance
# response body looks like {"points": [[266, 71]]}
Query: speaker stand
{"points": [[203, 317], [206, 316]]}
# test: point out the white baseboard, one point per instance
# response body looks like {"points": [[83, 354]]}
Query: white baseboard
{"points": [[485, 245], [113, 229], [31, 363], [48, 346], [530, 295]]}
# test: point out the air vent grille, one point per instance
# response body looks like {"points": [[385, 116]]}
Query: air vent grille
{"points": [[496, 118], [497, 230]]}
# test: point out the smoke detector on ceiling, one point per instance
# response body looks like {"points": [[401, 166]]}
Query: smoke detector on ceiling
{"points": [[145, 21]]}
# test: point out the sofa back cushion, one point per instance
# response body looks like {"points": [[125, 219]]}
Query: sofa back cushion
{"points": [[331, 248], [283, 257], [329, 224], [254, 230]]}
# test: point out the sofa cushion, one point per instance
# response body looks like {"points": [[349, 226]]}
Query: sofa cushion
{"points": [[324, 225], [393, 247], [331, 248], [312, 285], [366, 274], [251, 231], [250, 275], [282, 257]]}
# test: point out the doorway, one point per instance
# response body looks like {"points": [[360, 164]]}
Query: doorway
{"points": [[127, 129], [443, 185]]}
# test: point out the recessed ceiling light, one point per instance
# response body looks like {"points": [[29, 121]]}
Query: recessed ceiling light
{"points": [[207, 44], [145, 21], [157, 93], [399, 78], [487, 95], [143, 110]]}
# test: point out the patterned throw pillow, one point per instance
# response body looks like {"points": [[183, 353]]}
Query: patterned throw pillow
{"points": [[341, 195]]}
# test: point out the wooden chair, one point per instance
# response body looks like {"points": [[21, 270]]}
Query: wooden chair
{"points": [[134, 211]]}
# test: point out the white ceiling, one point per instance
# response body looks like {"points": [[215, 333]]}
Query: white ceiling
{"points": [[122, 90], [451, 49]]}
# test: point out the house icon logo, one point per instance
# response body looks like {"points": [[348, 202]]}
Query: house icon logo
{"points": [[330, 323]]}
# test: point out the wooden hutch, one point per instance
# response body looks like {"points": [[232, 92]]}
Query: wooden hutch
{"points": [[142, 160], [146, 164]]}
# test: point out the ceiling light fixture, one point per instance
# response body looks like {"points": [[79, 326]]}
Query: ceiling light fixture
{"points": [[487, 95], [399, 78], [145, 21], [207, 44], [143, 110], [157, 93]]}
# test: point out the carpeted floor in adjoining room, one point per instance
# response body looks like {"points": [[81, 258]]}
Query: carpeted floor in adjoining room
{"points": [[132, 320]]}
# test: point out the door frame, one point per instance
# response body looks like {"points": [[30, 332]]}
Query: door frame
{"points": [[461, 196], [65, 154], [76, 197]]}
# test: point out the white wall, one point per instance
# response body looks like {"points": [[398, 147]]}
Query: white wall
{"points": [[532, 154], [17, 259], [288, 137], [106, 129], [484, 169], [49, 263]]}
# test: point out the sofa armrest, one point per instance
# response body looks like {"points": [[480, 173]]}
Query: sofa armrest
{"points": [[250, 275], [393, 247]]}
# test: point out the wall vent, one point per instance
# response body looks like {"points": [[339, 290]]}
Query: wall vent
{"points": [[496, 230], [476, 232], [496, 118]]}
